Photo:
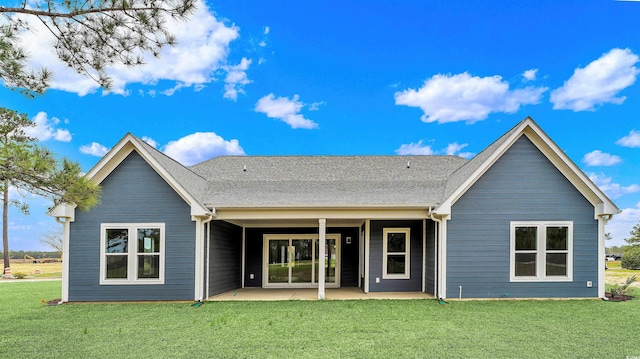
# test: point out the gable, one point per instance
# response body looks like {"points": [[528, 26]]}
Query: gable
{"points": [[134, 187], [461, 180], [523, 180], [184, 182]]}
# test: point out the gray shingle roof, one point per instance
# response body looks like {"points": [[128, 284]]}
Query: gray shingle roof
{"points": [[326, 180], [329, 181]]}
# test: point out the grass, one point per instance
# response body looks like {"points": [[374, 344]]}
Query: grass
{"points": [[331, 329]]}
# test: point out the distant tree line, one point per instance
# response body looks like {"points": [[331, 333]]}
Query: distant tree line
{"points": [[616, 249], [34, 254]]}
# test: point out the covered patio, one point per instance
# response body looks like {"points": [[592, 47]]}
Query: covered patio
{"points": [[347, 293]]}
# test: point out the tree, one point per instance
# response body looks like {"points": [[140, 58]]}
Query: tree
{"points": [[90, 35], [54, 239], [25, 166], [634, 240]]}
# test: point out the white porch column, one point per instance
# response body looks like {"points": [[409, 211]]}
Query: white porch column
{"points": [[322, 232], [199, 259], [442, 259], [601, 256], [65, 259], [367, 238]]}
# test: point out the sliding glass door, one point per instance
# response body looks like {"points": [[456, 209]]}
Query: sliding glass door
{"points": [[293, 260]]}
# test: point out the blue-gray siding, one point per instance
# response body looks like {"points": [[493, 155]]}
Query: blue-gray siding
{"points": [[133, 193], [225, 257], [253, 253], [414, 283], [430, 259], [523, 185]]}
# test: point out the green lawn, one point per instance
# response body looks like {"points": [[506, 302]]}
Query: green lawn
{"points": [[329, 329]]}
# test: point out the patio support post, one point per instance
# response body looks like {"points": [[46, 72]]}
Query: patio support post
{"points": [[322, 239]]}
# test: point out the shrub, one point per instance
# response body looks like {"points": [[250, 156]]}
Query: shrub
{"points": [[19, 275], [631, 258], [617, 290]]}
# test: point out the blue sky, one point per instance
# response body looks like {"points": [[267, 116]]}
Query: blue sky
{"points": [[358, 78]]}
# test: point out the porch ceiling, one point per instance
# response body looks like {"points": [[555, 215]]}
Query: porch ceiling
{"points": [[305, 222]]}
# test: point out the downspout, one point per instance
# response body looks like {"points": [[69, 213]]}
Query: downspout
{"points": [[207, 223]]}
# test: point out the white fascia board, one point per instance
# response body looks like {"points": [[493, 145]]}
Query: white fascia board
{"points": [[602, 204], [279, 213], [121, 150]]}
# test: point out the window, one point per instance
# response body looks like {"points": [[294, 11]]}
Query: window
{"points": [[395, 248], [132, 253], [541, 251]]}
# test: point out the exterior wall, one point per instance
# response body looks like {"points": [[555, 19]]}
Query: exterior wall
{"points": [[133, 193], [253, 253], [521, 186], [414, 283], [225, 257], [430, 273]]}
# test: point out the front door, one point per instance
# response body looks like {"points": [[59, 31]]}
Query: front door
{"points": [[292, 261]]}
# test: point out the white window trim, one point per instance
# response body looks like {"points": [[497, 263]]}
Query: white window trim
{"points": [[132, 264], [541, 252], [407, 253]]}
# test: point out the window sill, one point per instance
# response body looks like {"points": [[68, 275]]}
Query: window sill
{"points": [[131, 282], [396, 277], [546, 280]]}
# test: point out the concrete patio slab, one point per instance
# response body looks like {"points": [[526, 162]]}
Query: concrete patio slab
{"points": [[262, 294]]}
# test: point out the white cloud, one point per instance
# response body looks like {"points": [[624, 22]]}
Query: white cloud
{"points": [[599, 158], [631, 140], [454, 149], [236, 79], [94, 149], [316, 106], [201, 146], [202, 48], [285, 109], [613, 190], [267, 29], [530, 75], [419, 148], [598, 83], [462, 97], [621, 224], [150, 141], [45, 129]]}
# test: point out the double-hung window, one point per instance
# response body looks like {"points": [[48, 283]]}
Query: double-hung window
{"points": [[132, 253], [395, 248], [541, 251]]}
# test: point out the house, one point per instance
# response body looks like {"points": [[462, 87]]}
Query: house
{"points": [[519, 220]]}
